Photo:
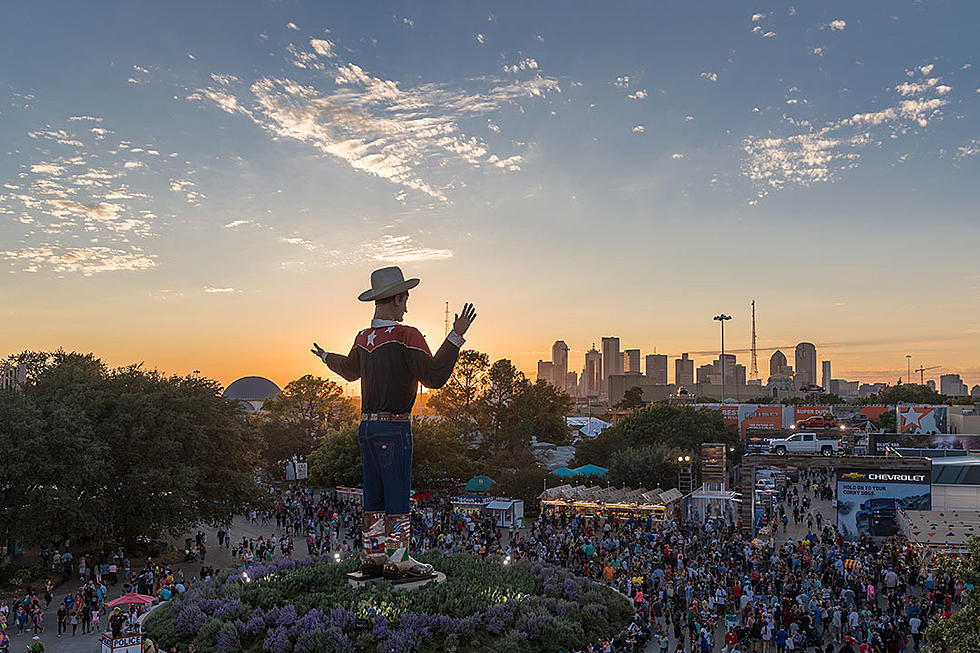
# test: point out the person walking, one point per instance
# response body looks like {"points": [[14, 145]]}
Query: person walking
{"points": [[391, 359]]}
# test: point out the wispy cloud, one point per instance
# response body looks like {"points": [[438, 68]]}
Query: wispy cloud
{"points": [[84, 260], [212, 290], [639, 129], [711, 77], [639, 95], [816, 155], [234, 224], [402, 249], [837, 25], [373, 124]]}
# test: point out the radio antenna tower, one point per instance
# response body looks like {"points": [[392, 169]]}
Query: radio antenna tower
{"points": [[754, 374], [446, 335]]}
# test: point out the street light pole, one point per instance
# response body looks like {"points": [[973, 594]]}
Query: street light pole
{"points": [[721, 318]]}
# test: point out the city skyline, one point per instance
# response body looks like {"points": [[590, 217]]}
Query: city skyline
{"points": [[208, 186]]}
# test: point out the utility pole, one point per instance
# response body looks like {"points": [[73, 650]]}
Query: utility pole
{"points": [[722, 318]]}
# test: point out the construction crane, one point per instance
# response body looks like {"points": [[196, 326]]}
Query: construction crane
{"points": [[922, 373]]}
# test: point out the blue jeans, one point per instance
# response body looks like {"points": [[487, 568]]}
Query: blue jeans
{"points": [[386, 463]]}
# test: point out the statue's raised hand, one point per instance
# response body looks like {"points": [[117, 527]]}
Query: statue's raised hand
{"points": [[464, 319]]}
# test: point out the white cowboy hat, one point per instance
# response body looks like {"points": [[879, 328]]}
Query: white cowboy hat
{"points": [[385, 283]]}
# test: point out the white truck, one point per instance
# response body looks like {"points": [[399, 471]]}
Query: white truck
{"points": [[826, 444]]}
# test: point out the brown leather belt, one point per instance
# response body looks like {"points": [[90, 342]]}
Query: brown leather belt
{"points": [[386, 417]]}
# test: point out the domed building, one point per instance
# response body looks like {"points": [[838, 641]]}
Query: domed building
{"points": [[251, 392]]}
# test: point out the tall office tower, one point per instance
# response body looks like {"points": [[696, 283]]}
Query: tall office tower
{"points": [[571, 383], [631, 362], [657, 368], [559, 355], [778, 365], [952, 386], [683, 370], [592, 373], [806, 364], [931, 383], [825, 375], [612, 360], [546, 371]]}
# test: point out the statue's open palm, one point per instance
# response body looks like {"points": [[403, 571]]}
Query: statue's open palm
{"points": [[464, 319]]}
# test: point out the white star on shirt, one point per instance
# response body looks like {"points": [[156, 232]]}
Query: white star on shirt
{"points": [[389, 329], [370, 339]]}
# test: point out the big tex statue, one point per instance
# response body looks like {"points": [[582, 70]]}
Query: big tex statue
{"points": [[391, 359]]}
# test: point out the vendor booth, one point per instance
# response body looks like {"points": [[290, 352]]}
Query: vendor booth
{"points": [[589, 501], [936, 533], [507, 512]]}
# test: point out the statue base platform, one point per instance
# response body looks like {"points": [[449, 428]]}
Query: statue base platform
{"points": [[357, 579]]}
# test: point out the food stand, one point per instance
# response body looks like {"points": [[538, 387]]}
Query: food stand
{"points": [[592, 501]]}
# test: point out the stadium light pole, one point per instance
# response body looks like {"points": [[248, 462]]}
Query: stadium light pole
{"points": [[721, 318]]}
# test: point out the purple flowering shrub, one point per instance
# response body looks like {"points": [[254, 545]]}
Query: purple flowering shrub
{"points": [[306, 607]]}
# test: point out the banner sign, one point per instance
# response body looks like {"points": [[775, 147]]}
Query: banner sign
{"points": [[945, 441], [867, 500], [922, 419]]}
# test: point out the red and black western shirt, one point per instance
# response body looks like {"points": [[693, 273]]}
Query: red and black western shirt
{"points": [[391, 359]]}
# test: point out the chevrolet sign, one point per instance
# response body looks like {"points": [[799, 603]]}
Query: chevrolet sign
{"points": [[908, 478]]}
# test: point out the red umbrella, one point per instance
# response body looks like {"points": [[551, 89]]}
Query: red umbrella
{"points": [[131, 599]]}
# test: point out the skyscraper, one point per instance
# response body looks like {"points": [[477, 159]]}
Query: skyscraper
{"points": [[684, 371], [592, 373], [559, 356], [952, 386], [631, 362], [657, 368], [571, 383], [825, 375], [778, 365], [612, 360], [806, 364], [546, 371]]}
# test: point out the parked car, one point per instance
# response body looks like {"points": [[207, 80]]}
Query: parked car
{"points": [[816, 422], [806, 443]]}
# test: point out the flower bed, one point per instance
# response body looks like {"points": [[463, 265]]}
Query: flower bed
{"points": [[306, 606]]}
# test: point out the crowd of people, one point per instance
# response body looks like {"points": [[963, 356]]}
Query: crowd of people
{"points": [[697, 586]]}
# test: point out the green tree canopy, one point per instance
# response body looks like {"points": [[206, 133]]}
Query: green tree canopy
{"points": [[632, 398], [305, 410], [961, 632], [336, 460], [113, 454], [908, 393], [658, 425], [647, 466]]}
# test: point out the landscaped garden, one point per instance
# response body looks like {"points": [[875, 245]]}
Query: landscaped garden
{"points": [[307, 606]]}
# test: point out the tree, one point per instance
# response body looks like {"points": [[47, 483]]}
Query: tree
{"points": [[459, 400], [113, 454], [888, 421], [632, 398], [907, 393], [542, 409], [307, 408], [660, 425], [960, 633], [648, 466], [336, 460], [439, 453]]}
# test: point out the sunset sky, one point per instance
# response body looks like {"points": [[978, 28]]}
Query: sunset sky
{"points": [[207, 186]]}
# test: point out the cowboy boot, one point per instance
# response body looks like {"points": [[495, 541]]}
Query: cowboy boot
{"points": [[373, 556], [400, 565]]}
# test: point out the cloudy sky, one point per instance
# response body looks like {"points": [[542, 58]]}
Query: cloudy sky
{"points": [[206, 186]]}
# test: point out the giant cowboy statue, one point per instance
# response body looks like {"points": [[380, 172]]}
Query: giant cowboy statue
{"points": [[391, 359]]}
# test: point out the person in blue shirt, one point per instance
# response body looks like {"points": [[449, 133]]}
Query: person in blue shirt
{"points": [[781, 636]]}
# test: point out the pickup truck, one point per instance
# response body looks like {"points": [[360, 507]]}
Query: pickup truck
{"points": [[816, 422], [825, 444]]}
